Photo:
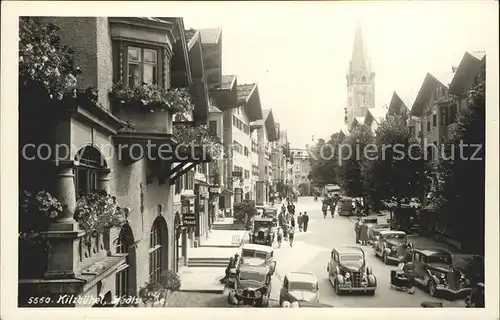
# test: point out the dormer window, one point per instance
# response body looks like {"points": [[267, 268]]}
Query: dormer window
{"points": [[142, 66]]}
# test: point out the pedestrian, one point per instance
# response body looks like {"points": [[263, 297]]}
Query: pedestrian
{"points": [[279, 236], [299, 221], [324, 208], [228, 268], [332, 208], [291, 236], [357, 227], [305, 221], [363, 234]]}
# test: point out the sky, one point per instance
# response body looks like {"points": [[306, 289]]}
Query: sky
{"points": [[298, 53]]}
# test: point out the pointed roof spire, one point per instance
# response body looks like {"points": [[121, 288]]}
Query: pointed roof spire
{"points": [[360, 61]]}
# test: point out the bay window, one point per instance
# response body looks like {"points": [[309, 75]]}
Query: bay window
{"points": [[142, 66]]}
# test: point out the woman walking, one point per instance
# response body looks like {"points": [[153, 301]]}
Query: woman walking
{"points": [[280, 236], [324, 208], [291, 235]]}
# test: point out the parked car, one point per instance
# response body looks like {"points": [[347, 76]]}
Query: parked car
{"points": [[390, 245], [433, 269], [415, 203], [345, 207], [252, 286], [258, 255], [374, 232], [348, 272], [263, 231], [299, 287]]}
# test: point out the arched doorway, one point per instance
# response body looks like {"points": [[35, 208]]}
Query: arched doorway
{"points": [[158, 249], [90, 165], [126, 280]]}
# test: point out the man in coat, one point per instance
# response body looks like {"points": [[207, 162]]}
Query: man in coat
{"points": [[363, 234], [357, 227], [305, 221]]}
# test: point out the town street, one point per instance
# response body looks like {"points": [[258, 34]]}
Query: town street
{"points": [[311, 253]]}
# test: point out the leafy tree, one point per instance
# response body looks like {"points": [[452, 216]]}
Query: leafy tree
{"points": [[397, 168], [353, 163], [460, 197], [324, 161]]}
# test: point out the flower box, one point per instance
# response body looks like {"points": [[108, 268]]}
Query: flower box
{"points": [[144, 120]]}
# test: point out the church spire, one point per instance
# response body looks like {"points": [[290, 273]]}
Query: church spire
{"points": [[360, 66]]}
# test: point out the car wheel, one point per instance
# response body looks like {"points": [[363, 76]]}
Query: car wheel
{"points": [[337, 288], [431, 286], [384, 256]]}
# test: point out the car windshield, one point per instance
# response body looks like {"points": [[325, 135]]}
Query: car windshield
{"points": [[253, 254], [350, 258], [308, 286], [370, 220], [446, 259], [262, 224], [252, 276], [395, 236]]}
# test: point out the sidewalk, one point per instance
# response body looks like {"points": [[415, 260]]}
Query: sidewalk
{"points": [[223, 239], [209, 261]]}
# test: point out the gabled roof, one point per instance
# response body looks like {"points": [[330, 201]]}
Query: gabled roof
{"points": [[378, 114], [248, 96], [268, 121], [430, 82], [214, 109], [444, 77], [210, 36], [467, 70], [192, 36], [227, 82], [360, 119]]}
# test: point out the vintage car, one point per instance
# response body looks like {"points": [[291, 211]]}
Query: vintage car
{"points": [[252, 286], [373, 232], [258, 255], [299, 287], [263, 231], [267, 212], [348, 272], [390, 245], [433, 269], [345, 206]]}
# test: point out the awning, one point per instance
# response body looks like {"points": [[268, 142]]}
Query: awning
{"points": [[179, 169]]}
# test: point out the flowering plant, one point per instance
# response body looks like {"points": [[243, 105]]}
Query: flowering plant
{"points": [[98, 211], [153, 292], [153, 98], [45, 65], [196, 135], [36, 210]]}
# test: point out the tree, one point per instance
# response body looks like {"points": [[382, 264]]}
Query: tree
{"points": [[397, 168], [460, 198], [159, 292], [353, 163], [324, 161]]}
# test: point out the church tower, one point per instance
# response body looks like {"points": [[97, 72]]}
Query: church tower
{"points": [[360, 80]]}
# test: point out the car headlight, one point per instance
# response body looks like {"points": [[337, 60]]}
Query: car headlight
{"points": [[258, 294], [365, 277], [347, 275], [239, 292], [295, 304]]}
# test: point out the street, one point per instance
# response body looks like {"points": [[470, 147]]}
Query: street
{"points": [[311, 253]]}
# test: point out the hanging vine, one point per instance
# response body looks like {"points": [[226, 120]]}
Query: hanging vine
{"points": [[192, 134]]}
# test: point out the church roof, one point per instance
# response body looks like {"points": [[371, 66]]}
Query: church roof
{"points": [[360, 58]]}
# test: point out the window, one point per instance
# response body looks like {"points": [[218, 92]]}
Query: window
{"points": [[265, 169], [246, 151], [188, 180], [444, 116], [453, 113], [434, 120], [155, 254], [142, 66], [363, 79], [247, 174], [428, 126], [235, 121], [212, 126], [412, 130], [87, 172], [124, 276]]}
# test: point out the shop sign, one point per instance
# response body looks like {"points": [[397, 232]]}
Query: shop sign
{"points": [[188, 217], [215, 189]]}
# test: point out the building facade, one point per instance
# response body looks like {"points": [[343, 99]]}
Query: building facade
{"points": [[114, 263], [360, 81], [265, 135], [300, 170]]}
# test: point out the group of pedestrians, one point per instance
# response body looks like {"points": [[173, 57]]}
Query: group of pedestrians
{"points": [[361, 231], [287, 223], [328, 203]]}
